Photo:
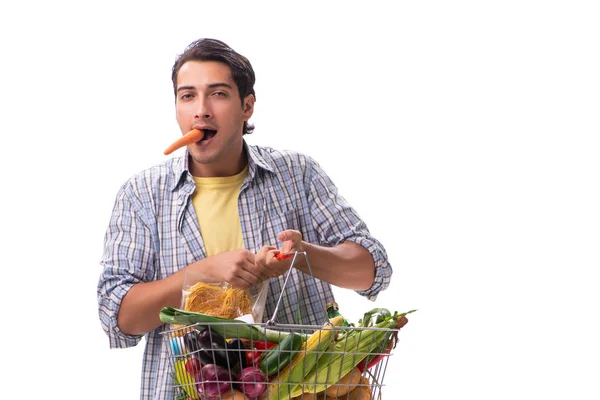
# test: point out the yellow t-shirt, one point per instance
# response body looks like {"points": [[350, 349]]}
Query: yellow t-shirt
{"points": [[216, 204]]}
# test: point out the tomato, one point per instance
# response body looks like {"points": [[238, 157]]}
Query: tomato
{"points": [[260, 348], [264, 345], [252, 358], [193, 366]]}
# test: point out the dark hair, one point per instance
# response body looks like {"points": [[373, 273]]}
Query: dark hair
{"points": [[215, 50]]}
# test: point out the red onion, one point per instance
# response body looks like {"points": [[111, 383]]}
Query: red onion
{"points": [[211, 381], [253, 382]]}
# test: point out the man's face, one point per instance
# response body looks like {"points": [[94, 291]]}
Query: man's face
{"points": [[208, 99]]}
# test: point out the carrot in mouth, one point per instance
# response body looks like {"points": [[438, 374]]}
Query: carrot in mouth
{"points": [[192, 136]]}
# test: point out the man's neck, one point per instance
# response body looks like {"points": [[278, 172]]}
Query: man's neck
{"points": [[221, 169]]}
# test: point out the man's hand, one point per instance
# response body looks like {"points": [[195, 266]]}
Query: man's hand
{"points": [[268, 264], [266, 258], [264, 261], [236, 267], [292, 241]]}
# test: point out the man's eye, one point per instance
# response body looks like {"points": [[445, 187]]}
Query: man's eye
{"points": [[220, 94], [186, 96]]}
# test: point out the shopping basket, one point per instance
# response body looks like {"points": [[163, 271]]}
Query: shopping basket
{"points": [[231, 359]]}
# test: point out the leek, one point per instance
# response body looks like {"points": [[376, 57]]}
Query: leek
{"points": [[229, 328]]}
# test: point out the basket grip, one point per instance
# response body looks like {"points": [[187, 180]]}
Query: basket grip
{"points": [[271, 321]]}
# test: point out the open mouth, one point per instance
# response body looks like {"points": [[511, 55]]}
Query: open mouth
{"points": [[208, 134]]}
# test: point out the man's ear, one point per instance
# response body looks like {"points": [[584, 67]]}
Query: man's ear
{"points": [[248, 106]]}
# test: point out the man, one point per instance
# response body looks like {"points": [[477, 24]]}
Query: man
{"points": [[225, 209]]}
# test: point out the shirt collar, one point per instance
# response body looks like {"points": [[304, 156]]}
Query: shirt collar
{"points": [[179, 171], [180, 166], [256, 160]]}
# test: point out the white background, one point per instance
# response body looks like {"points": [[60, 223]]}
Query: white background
{"points": [[464, 133]]}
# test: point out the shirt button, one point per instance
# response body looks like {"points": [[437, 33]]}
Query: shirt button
{"points": [[180, 200], [372, 298]]}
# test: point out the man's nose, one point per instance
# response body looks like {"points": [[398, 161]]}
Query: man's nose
{"points": [[203, 111]]}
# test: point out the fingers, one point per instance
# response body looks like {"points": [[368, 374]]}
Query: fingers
{"points": [[244, 272], [243, 279], [263, 257], [291, 239], [262, 253], [277, 264], [290, 235], [270, 262]]}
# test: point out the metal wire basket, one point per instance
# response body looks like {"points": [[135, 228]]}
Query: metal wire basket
{"points": [[271, 361]]}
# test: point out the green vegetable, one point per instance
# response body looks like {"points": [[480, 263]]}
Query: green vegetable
{"points": [[333, 310], [348, 353], [374, 317], [279, 356], [229, 328], [292, 376]]}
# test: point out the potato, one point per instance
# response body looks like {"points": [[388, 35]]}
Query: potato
{"points": [[310, 396], [233, 395], [364, 381], [346, 384], [360, 393]]}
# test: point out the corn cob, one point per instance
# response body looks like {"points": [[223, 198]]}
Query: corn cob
{"points": [[345, 356], [349, 351], [313, 348]]}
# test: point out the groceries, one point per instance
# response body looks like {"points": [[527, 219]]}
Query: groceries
{"points": [[227, 327], [216, 358], [281, 354], [291, 378], [212, 299]]}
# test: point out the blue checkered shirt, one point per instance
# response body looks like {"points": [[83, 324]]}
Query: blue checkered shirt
{"points": [[154, 232]]}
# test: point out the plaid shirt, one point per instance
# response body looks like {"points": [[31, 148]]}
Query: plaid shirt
{"points": [[154, 232]]}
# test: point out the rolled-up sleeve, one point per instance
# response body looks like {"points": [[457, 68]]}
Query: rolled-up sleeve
{"points": [[337, 222], [127, 259], [383, 269]]}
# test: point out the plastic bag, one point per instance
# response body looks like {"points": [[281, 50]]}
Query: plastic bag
{"points": [[220, 299]]}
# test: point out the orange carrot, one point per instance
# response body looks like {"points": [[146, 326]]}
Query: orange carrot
{"points": [[191, 137]]}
